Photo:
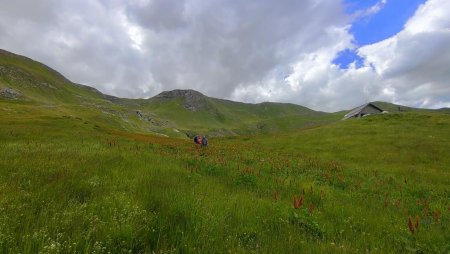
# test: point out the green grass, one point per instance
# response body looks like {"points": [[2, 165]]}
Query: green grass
{"points": [[221, 117], [71, 186], [86, 175]]}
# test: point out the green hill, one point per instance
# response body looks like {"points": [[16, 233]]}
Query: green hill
{"points": [[42, 91], [394, 108], [179, 113], [190, 110]]}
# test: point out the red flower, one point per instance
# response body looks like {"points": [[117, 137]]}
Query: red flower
{"points": [[298, 202], [410, 225]]}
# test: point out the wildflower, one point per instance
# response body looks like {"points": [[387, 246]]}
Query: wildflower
{"points": [[416, 225], [413, 227], [311, 208], [437, 216], [410, 225], [298, 202]]}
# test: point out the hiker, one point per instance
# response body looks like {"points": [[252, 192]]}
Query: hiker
{"points": [[204, 141], [198, 139]]}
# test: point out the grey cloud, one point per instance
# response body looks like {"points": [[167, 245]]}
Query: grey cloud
{"points": [[234, 49], [160, 15], [219, 45], [415, 63], [419, 71], [82, 39], [411, 68], [213, 46], [422, 56], [38, 12]]}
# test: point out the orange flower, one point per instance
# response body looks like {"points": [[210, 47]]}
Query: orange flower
{"points": [[416, 225], [311, 208], [298, 202], [436, 216], [413, 227], [410, 225]]}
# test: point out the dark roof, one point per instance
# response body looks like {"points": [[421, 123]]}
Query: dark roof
{"points": [[356, 110]]}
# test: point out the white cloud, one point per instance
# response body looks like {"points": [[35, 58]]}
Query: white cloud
{"points": [[135, 33], [375, 8], [371, 11], [432, 16], [128, 47], [416, 61], [410, 68], [246, 50]]}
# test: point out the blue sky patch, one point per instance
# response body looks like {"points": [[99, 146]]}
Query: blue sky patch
{"points": [[389, 21], [369, 29], [346, 57]]}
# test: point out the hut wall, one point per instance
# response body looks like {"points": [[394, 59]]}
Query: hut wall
{"points": [[370, 110]]}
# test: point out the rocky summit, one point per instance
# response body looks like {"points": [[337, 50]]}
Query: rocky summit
{"points": [[192, 100]]}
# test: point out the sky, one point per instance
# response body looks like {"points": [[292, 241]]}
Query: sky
{"points": [[327, 55]]}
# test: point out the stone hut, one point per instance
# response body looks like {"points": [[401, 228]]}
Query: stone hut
{"points": [[363, 110]]}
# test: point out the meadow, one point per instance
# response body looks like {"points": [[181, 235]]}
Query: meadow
{"points": [[377, 184]]}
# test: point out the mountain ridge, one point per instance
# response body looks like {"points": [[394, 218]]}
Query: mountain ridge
{"points": [[175, 93], [179, 112]]}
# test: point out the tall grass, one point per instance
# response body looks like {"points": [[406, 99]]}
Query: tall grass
{"points": [[71, 187]]}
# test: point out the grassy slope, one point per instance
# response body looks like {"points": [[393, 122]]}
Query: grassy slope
{"points": [[235, 116], [40, 83], [71, 186], [42, 86], [74, 179], [394, 108], [43, 89]]}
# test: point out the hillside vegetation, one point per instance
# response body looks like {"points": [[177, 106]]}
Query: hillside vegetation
{"points": [[178, 113], [74, 179]]}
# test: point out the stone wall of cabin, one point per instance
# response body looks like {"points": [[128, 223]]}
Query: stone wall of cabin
{"points": [[370, 110]]}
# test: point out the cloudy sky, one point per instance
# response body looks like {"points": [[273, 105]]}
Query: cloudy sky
{"points": [[325, 54]]}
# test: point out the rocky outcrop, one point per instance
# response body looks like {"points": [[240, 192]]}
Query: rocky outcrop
{"points": [[10, 93], [151, 118], [20, 77], [192, 100]]}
